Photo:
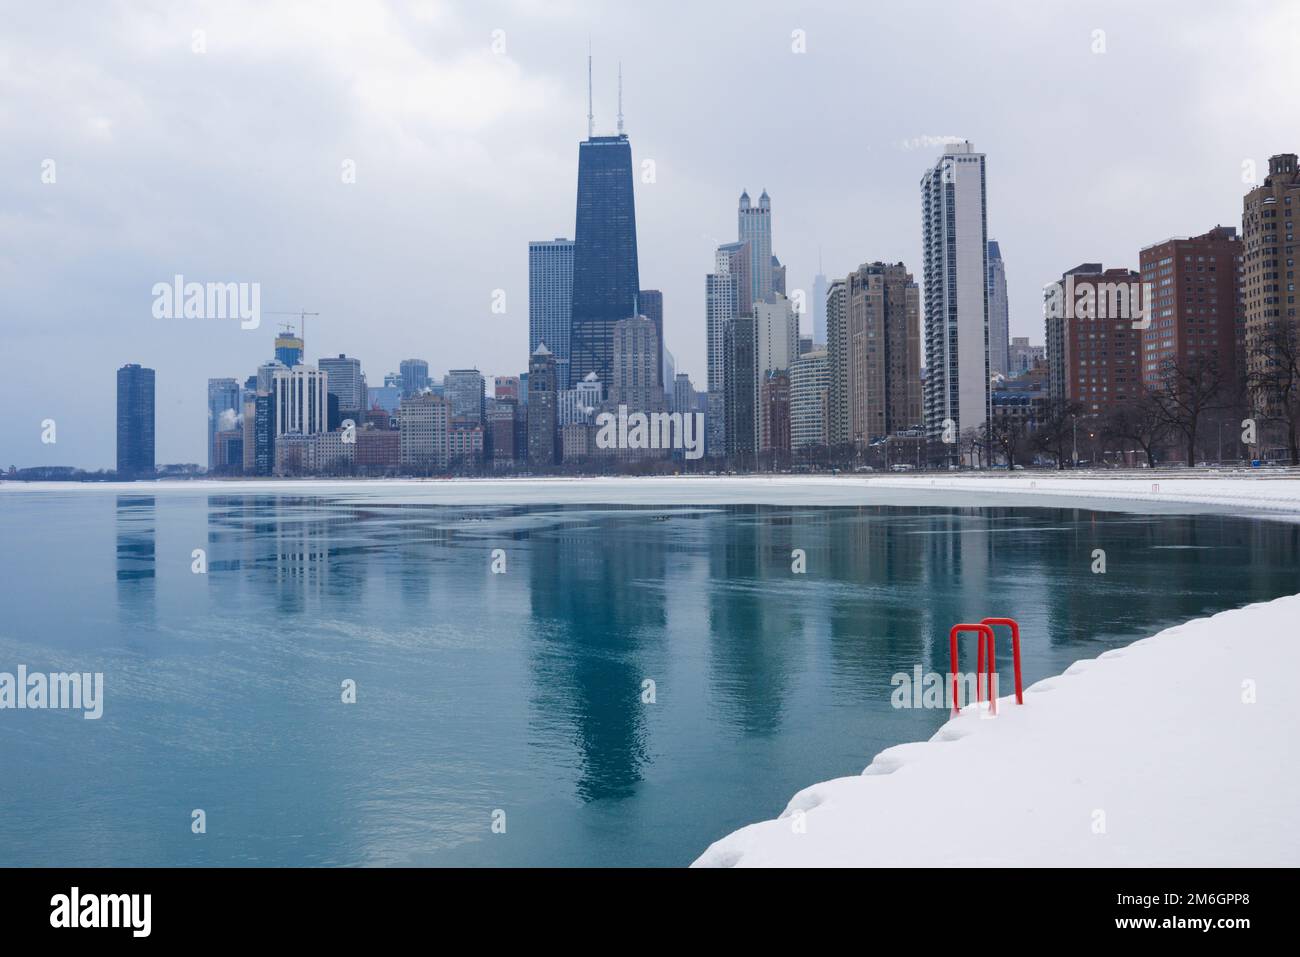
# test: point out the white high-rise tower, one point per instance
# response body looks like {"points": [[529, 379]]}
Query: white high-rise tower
{"points": [[954, 234], [754, 226]]}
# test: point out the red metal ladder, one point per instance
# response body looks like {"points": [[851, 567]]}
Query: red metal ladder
{"points": [[986, 635]]}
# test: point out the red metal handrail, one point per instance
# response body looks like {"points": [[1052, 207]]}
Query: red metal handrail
{"points": [[985, 634], [1015, 650]]}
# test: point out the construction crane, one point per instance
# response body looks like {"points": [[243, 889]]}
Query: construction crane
{"points": [[302, 315]]}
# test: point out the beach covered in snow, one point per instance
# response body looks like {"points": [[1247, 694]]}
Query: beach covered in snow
{"points": [[1177, 750], [1249, 493]]}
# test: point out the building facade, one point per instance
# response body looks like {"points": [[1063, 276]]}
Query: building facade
{"points": [[424, 433], [1024, 356], [809, 399], [1196, 304], [999, 312], [1268, 259], [1099, 353], [882, 305]]}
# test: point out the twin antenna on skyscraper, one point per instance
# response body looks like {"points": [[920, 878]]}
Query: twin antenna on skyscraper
{"points": [[591, 117]]}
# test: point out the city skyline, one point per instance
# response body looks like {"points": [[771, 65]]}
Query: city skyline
{"points": [[376, 303]]}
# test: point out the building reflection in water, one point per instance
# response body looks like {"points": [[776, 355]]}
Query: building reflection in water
{"points": [[137, 559], [596, 606]]}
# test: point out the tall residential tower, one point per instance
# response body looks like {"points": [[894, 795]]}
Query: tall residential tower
{"points": [[954, 235]]}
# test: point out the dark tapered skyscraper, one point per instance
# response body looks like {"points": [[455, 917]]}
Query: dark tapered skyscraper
{"points": [[605, 275], [135, 422]]}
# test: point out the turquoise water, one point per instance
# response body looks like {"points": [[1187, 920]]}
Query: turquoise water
{"points": [[522, 692]]}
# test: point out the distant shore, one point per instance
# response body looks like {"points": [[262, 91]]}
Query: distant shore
{"points": [[1261, 493]]}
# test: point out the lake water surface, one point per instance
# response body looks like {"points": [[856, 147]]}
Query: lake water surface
{"points": [[523, 692]]}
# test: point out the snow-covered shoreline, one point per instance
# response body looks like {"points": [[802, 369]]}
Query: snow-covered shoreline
{"points": [[1157, 492], [1177, 750]]}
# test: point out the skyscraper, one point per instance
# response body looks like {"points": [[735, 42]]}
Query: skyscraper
{"points": [[776, 349], [543, 406], [954, 236], [740, 394], [289, 347], [135, 421], [1268, 260], [669, 374], [266, 374], [727, 294], [464, 389], [301, 404], [778, 276], [837, 364], [345, 381], [819, 307], [415, 376], [884, 356], [809, 399], [774, 412], [249, 404], [606, 279], [754, 226], [223, 411], [999, 313], [650, 303], [683, 393], [635, 382], [550, 300], [264, 433]]}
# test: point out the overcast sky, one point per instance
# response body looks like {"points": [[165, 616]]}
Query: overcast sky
{"points": [[226, 165]]}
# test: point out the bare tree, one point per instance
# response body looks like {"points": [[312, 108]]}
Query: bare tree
{"points": [[972, 445], [1274, 382], [1188, 391], [1055, 431], [1140, 419], [1006, 436]]}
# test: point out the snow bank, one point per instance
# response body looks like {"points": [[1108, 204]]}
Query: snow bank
{"points": [[1150, 755], [1155, 492]]}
